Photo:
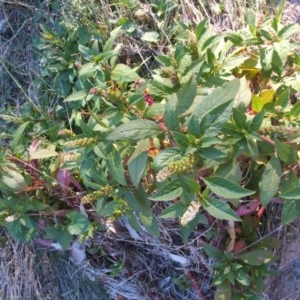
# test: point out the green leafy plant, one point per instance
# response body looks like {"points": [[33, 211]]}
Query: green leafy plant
{"points": [[209, 137]]}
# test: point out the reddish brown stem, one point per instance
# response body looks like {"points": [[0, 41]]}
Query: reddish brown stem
{"points": [[195, 285], [267, 140]]}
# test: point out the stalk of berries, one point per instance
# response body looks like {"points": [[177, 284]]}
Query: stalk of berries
{"points": [[13, 119], [82, 142], [66, 132], [121, 208], [104, 191], [183, 165]]}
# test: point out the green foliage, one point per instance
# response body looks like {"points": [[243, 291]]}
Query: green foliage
{"points": [[212, 126]]}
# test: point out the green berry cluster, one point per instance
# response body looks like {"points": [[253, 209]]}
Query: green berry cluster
{"points": [[82, 142], [66, 132], [104, 191], [121, 208], [183, 165], [13, 119]]}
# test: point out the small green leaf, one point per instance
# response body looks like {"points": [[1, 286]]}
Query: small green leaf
{"points": [[270, 181], [226, 188], [211, 153], [239, 118], [87, 70], [257, 257], [214, 110], [213, 252], [166, 156], [186, 95], [79, 223], [18, 134], [155, 110], [224, 291], [235, 38], [136, 167], [292, 194], [168, 191], [242, 278], [290, 211], [287, 31], [150, 223], [135, 130], [115, 166], [218, 209], [123, 73], [286, 153], [174, 211], [189, 185], [171, 116], [80, 95]]}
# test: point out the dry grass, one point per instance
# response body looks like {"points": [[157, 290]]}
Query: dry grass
{"points": [[29, 272]]}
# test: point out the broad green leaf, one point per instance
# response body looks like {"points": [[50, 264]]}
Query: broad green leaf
{"points": [[235, 38], [257, 257], [123, 73], [214, 110], [257, 120], [174, 210], [213, 252], [252, 146], [277, 63], [18, 134], [283, 96], [186, 96], [270, 181], [286, 153], [182, 140], [166, 156], [226, 188], [211, 153], [168, 191], [242, 278], [14, 180], [136, 167], [224, 291], [43, 153], [150, 223], [239, 117], [157, 88], [115, 167], [155, 110], [135, 130], [266, 56], [171, 116], [80, 95], [111, 41], [87, 70], [189, 185], [288, 30], [290, 211], [34, 205], [219, 209], [150, 36], [291, 194], [79, 223], [244, 94]]}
